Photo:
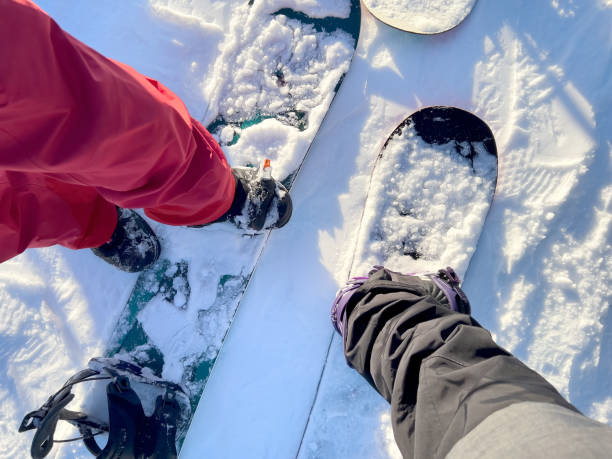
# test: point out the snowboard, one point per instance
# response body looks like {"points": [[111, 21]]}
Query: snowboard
{"points": [[277, 74], [425, 17], [429, 194]]}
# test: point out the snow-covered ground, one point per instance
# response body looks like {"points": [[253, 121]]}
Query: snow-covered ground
{"points": [[539, 73]]}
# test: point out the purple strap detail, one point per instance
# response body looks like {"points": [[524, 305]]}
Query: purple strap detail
{"points": [[446, 279], [337, 313], [448, 290]]}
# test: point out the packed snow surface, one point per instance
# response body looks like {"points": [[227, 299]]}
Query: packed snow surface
{"points": [[421, 16], [540, 278]]}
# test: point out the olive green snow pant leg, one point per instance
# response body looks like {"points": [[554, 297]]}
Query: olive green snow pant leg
{"points": [[440, 370]]}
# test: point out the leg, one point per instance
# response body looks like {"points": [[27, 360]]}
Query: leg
{"points": [[38, 211], [441, 371], [83, 119]]}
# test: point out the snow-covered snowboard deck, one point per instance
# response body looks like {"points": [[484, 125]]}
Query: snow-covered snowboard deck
{"points": [[430, 191], [425, 17], [429, 194], [280, 70]]}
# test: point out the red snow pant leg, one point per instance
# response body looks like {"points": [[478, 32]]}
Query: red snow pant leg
{"points": [[80, 133], [38, 211]]}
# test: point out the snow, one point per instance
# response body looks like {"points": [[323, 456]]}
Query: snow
{"points": [[424, 199], [540, 277], [421, 16], [259, 62]]}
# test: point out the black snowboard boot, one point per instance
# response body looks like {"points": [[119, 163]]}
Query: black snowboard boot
{"points": [[260, 202], [133, 247]]}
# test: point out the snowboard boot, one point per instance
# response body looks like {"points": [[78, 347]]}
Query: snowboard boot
{"points": [[133, 247], [260, 202], [444, 285]]}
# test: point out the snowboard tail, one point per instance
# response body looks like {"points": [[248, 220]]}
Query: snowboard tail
{"points": [[422, 18], [429, 193]]}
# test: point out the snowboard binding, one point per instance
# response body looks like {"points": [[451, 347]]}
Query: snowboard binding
{"points": [[131, 434], [446, 280], [260, 202]]}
